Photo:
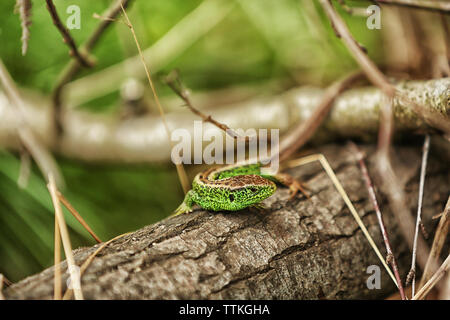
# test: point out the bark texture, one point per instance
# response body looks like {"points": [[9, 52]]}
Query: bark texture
{"points": [[299, 249]]}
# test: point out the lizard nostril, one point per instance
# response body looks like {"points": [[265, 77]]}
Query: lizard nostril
{"points": [[231, 197]]}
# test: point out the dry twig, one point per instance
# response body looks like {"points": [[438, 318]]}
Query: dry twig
{"points": [[412, 272], [441, 6], [77, 216], [390, 258], [174, 82], [82, 60]]}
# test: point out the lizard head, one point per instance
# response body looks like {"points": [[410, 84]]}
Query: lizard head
{"points": [[245, 191]]}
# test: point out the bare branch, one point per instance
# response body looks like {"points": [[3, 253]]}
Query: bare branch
{"points": [[426, 148], [67, 37], [390, 255]]}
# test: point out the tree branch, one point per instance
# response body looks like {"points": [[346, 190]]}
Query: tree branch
{"points": [[299, 249], [94, 137]]}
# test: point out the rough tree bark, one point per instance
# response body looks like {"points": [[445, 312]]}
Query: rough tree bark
{"points": [[299, 249]]}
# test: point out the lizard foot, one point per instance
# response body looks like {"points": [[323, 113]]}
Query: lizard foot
{"points": [[294, 185]]}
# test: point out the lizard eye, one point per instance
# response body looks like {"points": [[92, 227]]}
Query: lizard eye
{"points": [[253, 190], [231, 197]]}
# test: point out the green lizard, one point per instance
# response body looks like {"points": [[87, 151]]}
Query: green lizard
{"points": [[234, 187]]}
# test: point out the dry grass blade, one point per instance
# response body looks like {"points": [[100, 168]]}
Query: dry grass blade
{"points": [[412, 275], [180, 169], [85, 265], [40, 154], [445, 291], [75, 280], [440, 273], [57, 291], [323, 161], [438, 244], [77, 216]]}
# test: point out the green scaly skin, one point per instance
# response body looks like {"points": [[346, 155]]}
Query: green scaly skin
{"points": [[230, 188]]}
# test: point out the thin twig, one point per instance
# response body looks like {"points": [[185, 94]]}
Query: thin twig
{"points": [[438, 244], [323, 161], [390, 258], [443, 269], [75, 280], [174, 82], [66, 36], [77, 216], [87, 262], [412, 272], [180, 169], [74, 67]]}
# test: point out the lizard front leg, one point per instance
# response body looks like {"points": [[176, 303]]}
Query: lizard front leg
{"points": [[186, 206], [289, 181]]}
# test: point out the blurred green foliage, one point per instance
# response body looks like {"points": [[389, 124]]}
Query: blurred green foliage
{"points": [[260, 40]]}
